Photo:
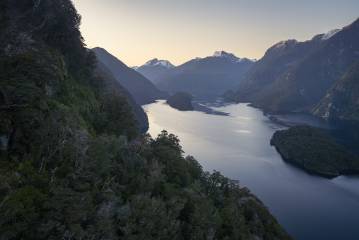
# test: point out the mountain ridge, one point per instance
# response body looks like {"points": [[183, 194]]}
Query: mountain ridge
{"points": [[294, 76], [204, 78], [141, 89]]}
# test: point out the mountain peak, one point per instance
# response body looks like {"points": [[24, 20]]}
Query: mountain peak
{"points": [[224, 54], [157, 62], [231, 56], [330, 34], [283, 44]]}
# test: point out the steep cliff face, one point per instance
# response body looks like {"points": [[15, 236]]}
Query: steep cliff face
{"points": [[342, 100], [72, 162]]}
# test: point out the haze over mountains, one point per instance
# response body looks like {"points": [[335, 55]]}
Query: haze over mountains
{"points": [[204, 78], [296, 76], [291, 77]]}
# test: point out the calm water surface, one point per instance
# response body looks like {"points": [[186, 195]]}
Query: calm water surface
{"points": [[309, 207]]}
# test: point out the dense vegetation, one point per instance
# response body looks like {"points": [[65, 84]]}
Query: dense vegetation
{"points": [[181, 101], [72, 162], [315, 151], [138, 112]]}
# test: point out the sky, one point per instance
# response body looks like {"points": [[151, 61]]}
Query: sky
{"points": [[136, 31]]}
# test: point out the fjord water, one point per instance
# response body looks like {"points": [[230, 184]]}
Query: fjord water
{"points": [[309, 207]]}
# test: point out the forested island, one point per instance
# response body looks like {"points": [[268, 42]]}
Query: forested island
{"points": [[315, 151], [73, 161], [181, 101]]}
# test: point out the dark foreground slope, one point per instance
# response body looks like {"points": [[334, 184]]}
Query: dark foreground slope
{"points": [[141, 89], [72, 165]]}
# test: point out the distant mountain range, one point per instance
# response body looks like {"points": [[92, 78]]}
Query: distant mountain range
{"points": [[141, 89], [296, 76], [315, 76], [205, 78]]}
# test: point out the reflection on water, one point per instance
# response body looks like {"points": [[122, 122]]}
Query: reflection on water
{"points": [[309, 207]]}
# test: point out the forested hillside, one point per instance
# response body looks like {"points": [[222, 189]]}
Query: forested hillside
{"points": [[315, 150], [72, 162], [342, 100]]}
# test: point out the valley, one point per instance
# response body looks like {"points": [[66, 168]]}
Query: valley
{"points": [[309, 207], [196, 147]]}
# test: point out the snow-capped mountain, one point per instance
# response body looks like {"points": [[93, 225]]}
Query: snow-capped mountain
{"points": [[155, 69], [157, 62], [230, 56], [330, 34], [223, 54], [206, 77]]}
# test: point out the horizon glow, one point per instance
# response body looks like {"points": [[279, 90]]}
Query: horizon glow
{"points": [[136, 31]]}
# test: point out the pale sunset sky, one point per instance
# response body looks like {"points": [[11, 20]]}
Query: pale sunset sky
{"points": [[136, 31]]}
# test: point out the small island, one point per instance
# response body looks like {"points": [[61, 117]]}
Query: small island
{"points": [[315, 151], [181, 101]]}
